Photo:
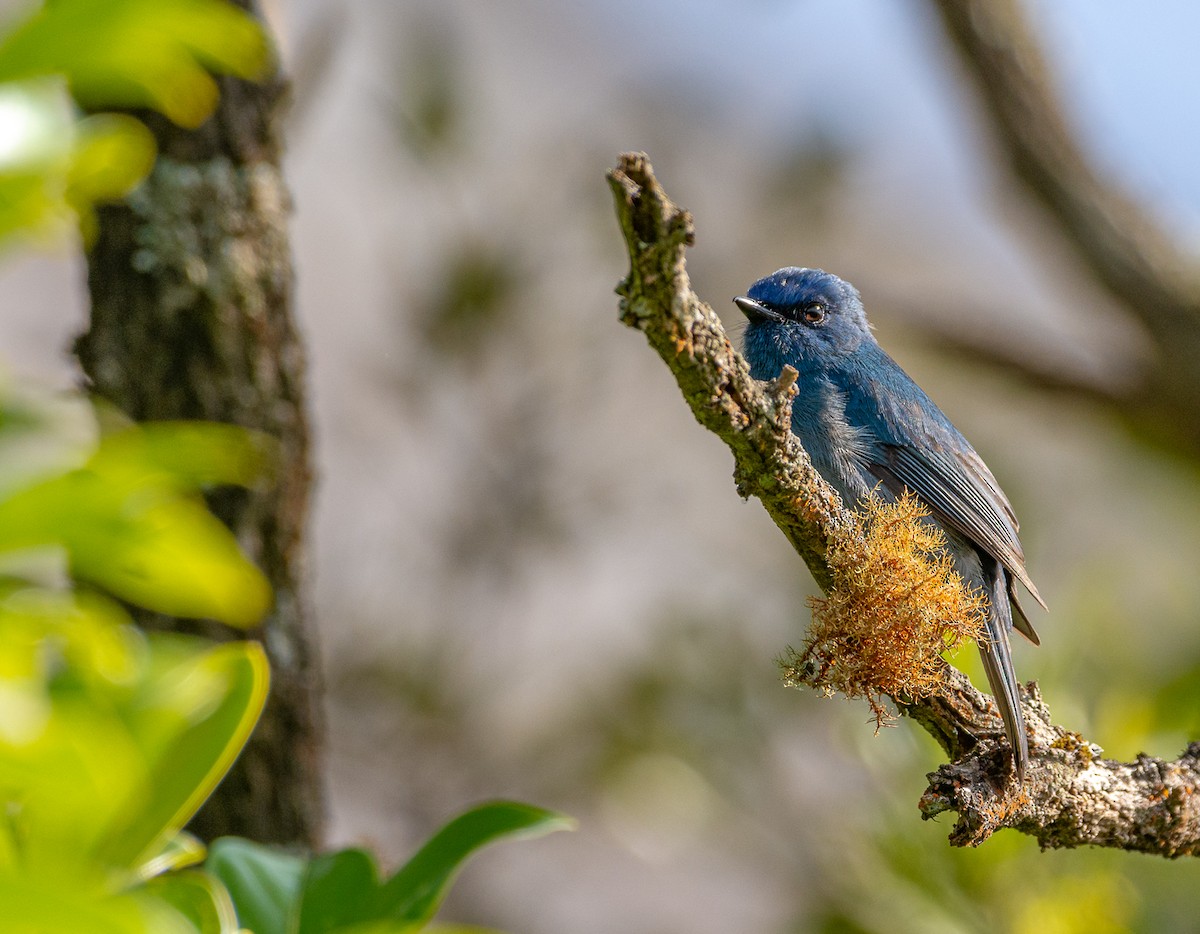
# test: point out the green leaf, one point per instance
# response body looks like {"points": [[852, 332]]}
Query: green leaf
{"points": [[54, 167], [46, 905], [110, 154], [142, 542], [109, 739], [138, 53], [197, 897], [417, 890], [340, 889], [186, 455], [128, 526], [219, 695], [263, 882], [276, 893], [70, 666], [178, 852]]}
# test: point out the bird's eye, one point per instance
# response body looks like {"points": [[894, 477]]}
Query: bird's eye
{"points": [[813, 312]]}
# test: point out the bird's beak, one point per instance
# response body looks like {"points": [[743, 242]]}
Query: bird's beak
{"points": [[754, 311]]}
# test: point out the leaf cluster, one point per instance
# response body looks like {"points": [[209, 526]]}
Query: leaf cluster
{"points": [[68, 58], [281, 893], [111, 739]]}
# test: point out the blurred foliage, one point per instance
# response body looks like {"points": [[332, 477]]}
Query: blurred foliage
{"points": [[56, 163], [111, 739], [279, 893], [476, 282], [129, 519], [475, 291], [137, 53], [428, 108], [910, 883]]}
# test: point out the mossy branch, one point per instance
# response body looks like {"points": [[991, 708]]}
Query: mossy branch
{"points": [[753, 418], [895, 608], [1071, 797]]}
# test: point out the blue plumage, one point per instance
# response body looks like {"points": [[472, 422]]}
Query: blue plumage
{"points": [[866, 425]]}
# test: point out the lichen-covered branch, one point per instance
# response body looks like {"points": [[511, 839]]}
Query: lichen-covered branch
{"points": [[1071, 796], [753, 418]]}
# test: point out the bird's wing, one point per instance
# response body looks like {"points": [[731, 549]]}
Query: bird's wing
{"points": [[961, 493], [917, 448]]}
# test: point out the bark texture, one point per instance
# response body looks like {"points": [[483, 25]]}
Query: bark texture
{"points": [[753, 418], [1071, 796], [191, 290]]}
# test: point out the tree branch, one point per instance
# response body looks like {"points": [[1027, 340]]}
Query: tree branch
{"points": [[1071, 796], [1122, 246], [753, 418], [1038, 368]]}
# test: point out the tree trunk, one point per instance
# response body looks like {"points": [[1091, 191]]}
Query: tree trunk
{"points": [[190, 282]]}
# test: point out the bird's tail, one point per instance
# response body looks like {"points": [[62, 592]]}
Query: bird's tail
{"points": [[997, 662]]}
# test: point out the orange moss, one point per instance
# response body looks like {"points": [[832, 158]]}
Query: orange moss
{"points": [[896, 605], [998, 812]]}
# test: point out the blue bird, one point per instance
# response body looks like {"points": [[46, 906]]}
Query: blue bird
{"points": [[867, 426]]}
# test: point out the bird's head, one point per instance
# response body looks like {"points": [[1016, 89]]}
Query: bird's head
{"points": [[802, 314]]}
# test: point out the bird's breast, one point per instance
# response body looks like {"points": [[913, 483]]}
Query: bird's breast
{"points": [[839, 448]]}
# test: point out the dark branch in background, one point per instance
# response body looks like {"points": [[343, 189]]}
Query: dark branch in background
{"points": [[191, 318], [1071, 796], [1118, 242]]}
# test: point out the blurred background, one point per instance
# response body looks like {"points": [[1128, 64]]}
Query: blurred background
{"points": [[533, 575]]}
